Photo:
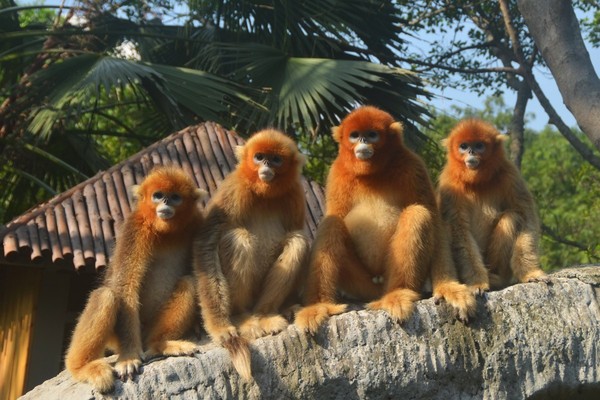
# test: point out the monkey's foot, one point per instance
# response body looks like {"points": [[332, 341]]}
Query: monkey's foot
{"points": [[459, 296], [172, 348], [126, 367], [311, 317], [399, 303], [98, 374]]}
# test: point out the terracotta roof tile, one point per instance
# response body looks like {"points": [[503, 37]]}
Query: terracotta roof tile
{"points": [[77, 227]]}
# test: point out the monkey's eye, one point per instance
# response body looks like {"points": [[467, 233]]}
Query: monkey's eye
{"points": [[258, 158], [176, 199], [373, 136], [354, 136], [479, 147], [157, 197], [276, 161], [463, 147]]}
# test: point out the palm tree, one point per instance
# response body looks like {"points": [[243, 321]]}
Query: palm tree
{"points": [[70, 97]]}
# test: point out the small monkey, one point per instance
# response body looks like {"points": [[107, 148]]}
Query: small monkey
{"points": [[381, 237], [490, 212], [147, 300], [249, 254]]}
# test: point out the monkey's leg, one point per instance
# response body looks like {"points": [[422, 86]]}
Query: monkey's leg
{"points": [[445, 282], [408, 262], [332, 252], [95, 326], [280, 281], [174, 321]]}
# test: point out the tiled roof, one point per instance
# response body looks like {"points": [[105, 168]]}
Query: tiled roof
{"points": [[77, 228]]}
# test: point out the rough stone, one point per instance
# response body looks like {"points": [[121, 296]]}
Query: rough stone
{"points": [[532, 340]]}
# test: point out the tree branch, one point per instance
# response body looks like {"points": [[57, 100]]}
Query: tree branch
{"points": [[555, 29], [555, 119]]}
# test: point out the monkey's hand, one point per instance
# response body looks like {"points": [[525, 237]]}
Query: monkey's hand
{"points": [[536, 276], [479, 290], [398, 303], [311, 317], [171, 348], [459, 296], [257, 326], [272, 324], [126, 367], [250, 327]]}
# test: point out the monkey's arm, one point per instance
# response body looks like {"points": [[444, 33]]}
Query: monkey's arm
{"points": [[524, 260], [132, 256], [213, 290], [465, 250], [282, 276]]}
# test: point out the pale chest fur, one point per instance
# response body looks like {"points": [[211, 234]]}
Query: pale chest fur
{"points": [[484, 213], [371, 223], [162, 275], [247, 251]]}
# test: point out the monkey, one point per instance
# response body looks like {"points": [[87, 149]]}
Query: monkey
{"points": [[147, 299], [381, 236], [491, 214], [249, 255]]}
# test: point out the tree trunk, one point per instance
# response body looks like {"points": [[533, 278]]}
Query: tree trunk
{"points": [[555, 30], [529, 340]]}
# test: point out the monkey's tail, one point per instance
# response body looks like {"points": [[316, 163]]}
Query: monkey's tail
{"points": [[239, 350]]}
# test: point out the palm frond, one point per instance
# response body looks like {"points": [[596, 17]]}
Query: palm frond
{"points": [[309, 92], [85, 77]]}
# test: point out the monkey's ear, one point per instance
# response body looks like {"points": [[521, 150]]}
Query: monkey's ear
{"points": [[135, 193], [445, 142], [302, 160], [501, 138], [239, 153], [336, 132], [200, 194], [396, 128]]}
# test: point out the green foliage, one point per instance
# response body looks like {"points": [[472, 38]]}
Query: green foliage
{"points": [[321, 151], [567, 191]]}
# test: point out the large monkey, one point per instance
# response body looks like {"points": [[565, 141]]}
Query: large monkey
{"points": [[147, 300], [250, 252], [489, 210], [381, 237]]}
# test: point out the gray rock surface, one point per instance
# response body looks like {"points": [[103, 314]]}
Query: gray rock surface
{"points": [[528, 341]]}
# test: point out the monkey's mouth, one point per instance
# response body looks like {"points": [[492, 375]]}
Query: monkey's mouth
{"points": [[363, 154], [266, 174], [165, 214], [472, 164]]}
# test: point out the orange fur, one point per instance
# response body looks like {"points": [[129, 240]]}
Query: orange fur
{"points": [[249, 255], [147, 297], [488, 210], [380, 238]]}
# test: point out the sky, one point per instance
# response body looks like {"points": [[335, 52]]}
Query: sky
{"points": [[464, 99]]}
